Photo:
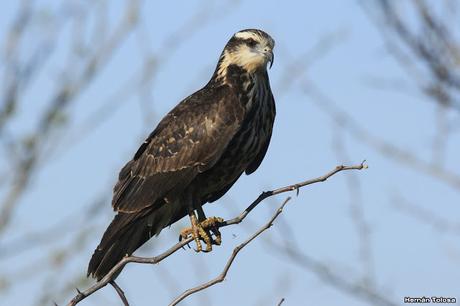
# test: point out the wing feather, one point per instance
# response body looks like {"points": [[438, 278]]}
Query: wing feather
{"points": [[189, 140]]}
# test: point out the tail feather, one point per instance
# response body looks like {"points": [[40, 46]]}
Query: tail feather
{"points": [[125, 234], [129, 231]]}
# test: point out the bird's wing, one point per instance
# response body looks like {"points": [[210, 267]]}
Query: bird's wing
{"points": [[189, 140], [260, 156]]}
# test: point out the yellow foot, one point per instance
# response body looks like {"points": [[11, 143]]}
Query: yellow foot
{"points": [[201, 231]]}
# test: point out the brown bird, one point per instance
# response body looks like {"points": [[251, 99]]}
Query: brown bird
{"points": [[195, 154]]}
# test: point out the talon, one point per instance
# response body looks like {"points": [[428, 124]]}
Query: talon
{"points": [[214, 223], [184, 233], [297, 190], [218, 239], [201, 231]]}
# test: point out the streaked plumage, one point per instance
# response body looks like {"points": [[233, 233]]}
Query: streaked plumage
{"points": [[197, 151]]}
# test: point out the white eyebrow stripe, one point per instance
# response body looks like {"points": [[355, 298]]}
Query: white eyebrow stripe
{"points": [[246, 35]]}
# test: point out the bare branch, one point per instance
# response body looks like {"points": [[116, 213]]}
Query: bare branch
{"points": [[154, 260], [220, 278], [357, 213], [429, 52], [120, 293], [34, 145], [294, 187], [322, 271], [402, 156], [425, 216]]}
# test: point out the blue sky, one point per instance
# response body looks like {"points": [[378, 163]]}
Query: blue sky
{"points": [[409, 257]]}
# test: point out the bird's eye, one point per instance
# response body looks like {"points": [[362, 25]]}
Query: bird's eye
{"points": [[251, 42]]}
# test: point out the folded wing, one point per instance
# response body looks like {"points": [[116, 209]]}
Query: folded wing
{"points": [[189, 140]]}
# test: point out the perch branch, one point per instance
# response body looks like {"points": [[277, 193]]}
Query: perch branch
{"points": [[221, 277], [120, 292], [154, 260]]}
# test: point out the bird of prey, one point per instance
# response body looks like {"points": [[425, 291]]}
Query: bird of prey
{"points": [[195, 154]]}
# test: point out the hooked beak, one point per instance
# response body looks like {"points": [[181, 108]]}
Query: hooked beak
{"points": [[271, 58]]}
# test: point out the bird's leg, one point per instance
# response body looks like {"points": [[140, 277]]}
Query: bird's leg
{"points": [[210, 224], [197, 232], [200, 230]]}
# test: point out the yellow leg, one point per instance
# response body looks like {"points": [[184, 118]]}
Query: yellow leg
{"points": [[212, 224], [200, 231]]}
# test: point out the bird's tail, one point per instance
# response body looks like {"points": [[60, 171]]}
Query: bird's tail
{"points": [[125, 234]]}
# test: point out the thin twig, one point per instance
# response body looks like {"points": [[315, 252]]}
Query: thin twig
{"points": [[281, 302], [396, 153], [220, 278], [325, 273], [293, 187], [120, 292], [154, 260], [65, 95], [144, 260]]}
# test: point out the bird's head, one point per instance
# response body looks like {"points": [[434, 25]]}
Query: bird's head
{"points": [[249, 49]]}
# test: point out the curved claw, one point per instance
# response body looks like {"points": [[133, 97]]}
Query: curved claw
{"points": [[201, 231]]}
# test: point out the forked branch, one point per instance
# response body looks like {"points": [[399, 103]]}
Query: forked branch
{"points": [[220, 278], [154, 260]]}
